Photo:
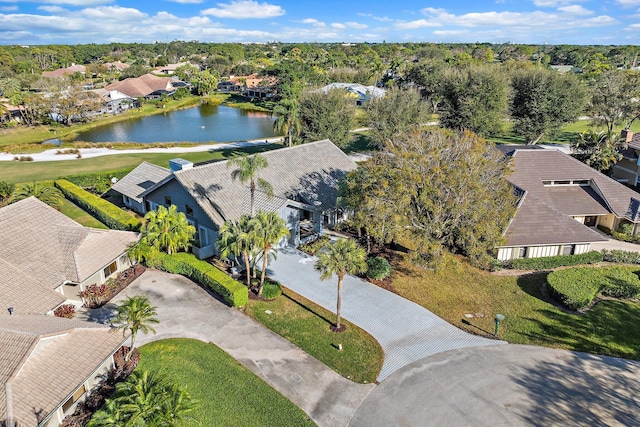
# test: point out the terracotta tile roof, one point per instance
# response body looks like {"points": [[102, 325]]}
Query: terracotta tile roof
{"points": [[141, 179], [45, 359], [308, 173], [61, 72], [139, 87]]}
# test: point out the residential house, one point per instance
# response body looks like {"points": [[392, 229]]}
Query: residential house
{"points": [[305, 186], [61, 72], [627, 170], [46, 258], [116, 66], [360, 93], [229, 86], [561, 202], [115, 102], [49, 365], [170, 69], [147, 86]]}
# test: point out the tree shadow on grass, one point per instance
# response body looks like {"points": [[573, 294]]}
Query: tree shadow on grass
{"points": [[307, 308]]}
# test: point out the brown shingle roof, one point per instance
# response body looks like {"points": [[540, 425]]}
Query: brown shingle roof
{"points": [[43, 374], [142, 178], [139, 87]]}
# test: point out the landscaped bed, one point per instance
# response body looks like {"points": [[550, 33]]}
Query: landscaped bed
{"points": [[228, 394]]}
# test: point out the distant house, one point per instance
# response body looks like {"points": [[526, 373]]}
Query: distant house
{"points": [[116, 102], [116, 66], [147, 86], [46, 258], [566, 69], [304, 179], [627, 170], [229, 86], [360, 93], [49, 365], [561, 201], [170, 69], [61, 72]]}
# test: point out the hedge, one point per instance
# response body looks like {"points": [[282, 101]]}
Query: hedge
{"points": [[547, 263], [577, 287], [91, 179], [378, 268], [621, 257], [108, 213], [233, 292]]}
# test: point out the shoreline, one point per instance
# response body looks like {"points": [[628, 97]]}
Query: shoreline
{"points": [[86, 153]]}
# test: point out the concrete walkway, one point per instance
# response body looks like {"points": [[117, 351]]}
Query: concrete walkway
{"points": [[406, 331], [507, 385], [186, 310], [613, 244]]}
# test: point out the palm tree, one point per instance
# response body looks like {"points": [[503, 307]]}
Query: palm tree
{"points": [[288, 121], [270, 229], [598, 149], [45, 193], [248, 169], [342, 257], [238, 238], [135, 314], [167, 229]]}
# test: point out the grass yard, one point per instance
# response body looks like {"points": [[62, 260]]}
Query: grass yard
{"points": [[80, 216], [38, 171], [228, 393], [307, 325], [610, 328]]}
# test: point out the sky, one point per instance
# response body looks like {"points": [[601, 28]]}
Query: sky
{"points": [[147, 21]]}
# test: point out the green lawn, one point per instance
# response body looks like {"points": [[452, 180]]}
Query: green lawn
{"points": [[31, 171], [228, 393], [610, 328], [80, 216], [307, 325]]}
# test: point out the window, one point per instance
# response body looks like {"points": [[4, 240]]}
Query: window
{"points": [[167, 200], [562, 182], [568, 249], [521, 252], [73, 399], [188, 209], [126, 200], [110, 269], [546, 182]]}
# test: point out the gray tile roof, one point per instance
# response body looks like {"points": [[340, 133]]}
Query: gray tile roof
{"points": [[308, 173], [42, 248], [140, 180], [43, 376]]}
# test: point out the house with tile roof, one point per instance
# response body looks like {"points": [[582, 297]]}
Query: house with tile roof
{"points": [[148, 86], [561, 202], [136, 183], [360, 93], [46, 258], [50, 364], [627, 170], [305, 191], [67, 71]]}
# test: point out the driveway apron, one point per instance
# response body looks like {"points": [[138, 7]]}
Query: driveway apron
{"points": [[406, 331]]}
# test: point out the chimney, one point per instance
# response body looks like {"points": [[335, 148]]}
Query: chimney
{"points": [[627, 135], [179, 165]]}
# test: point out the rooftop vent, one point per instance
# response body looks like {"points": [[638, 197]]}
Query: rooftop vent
{"points": [[179, 165]]}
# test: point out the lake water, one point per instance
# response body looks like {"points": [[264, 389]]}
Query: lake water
{"points": [[206, 123]]}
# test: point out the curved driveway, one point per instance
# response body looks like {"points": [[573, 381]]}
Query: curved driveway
{"points": [[406, 331]]}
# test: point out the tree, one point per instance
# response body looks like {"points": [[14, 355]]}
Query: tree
{"points": [[6, 191], [238, 238], [475, 99], [598, 149], [135, 314], [398, 111], [167, 230], [427, 75], [436, 190], [615, 100], [204, 82], [327, 116], [269, 230], [339, 258], [543, 101], [45, 193], [248, 168], [288, 121]]}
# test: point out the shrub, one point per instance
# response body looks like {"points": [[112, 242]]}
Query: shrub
{"points": [[68, 311], [622, 257], [96, 179], [96, 296], [577, 287], [271, 290], [547, 263], [232, 291], [314, 246], [108, 213], [378, 268]]}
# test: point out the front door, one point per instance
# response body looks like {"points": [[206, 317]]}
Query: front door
{"points": [[590, 221]]}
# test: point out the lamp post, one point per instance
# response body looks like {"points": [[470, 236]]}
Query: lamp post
{"points": [[499, 318]]}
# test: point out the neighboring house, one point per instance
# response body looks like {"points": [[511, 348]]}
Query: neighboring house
{"points": [[137, 183], [147, 86], [46, 258], [61, 72], [627, 170], [229, 86], [254, 86], [566, 69], [116, 66], [361, 94], [561, 201], [116, 102], [304, 179], [50, 364], [171, 68]]}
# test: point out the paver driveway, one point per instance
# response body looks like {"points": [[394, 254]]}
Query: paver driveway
{"points": [[406, 331]]}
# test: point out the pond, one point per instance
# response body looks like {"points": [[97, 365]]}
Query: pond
{"points": [[206, 123]]}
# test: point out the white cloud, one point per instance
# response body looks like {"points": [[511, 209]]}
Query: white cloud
{"points": [[554, 3], [338, 25], [244, 9], [52, 9], [356, 25], [376, 18], [8, 8], [575, 9], [628, 3], [313, 22], [80, 3], [187, 1]]}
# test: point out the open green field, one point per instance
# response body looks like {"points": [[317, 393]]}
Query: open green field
{"points": [[609, 328], [79, 215], [307, 325], [38, 171], [228, 393]]}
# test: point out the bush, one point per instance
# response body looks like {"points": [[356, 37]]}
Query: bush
{"points": [[68, 311], [271, 290], [378, 268], [547, 263], [622, 257], [108, 213], [232, 291], [100, 181], [314, 246], [577, 287]]}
